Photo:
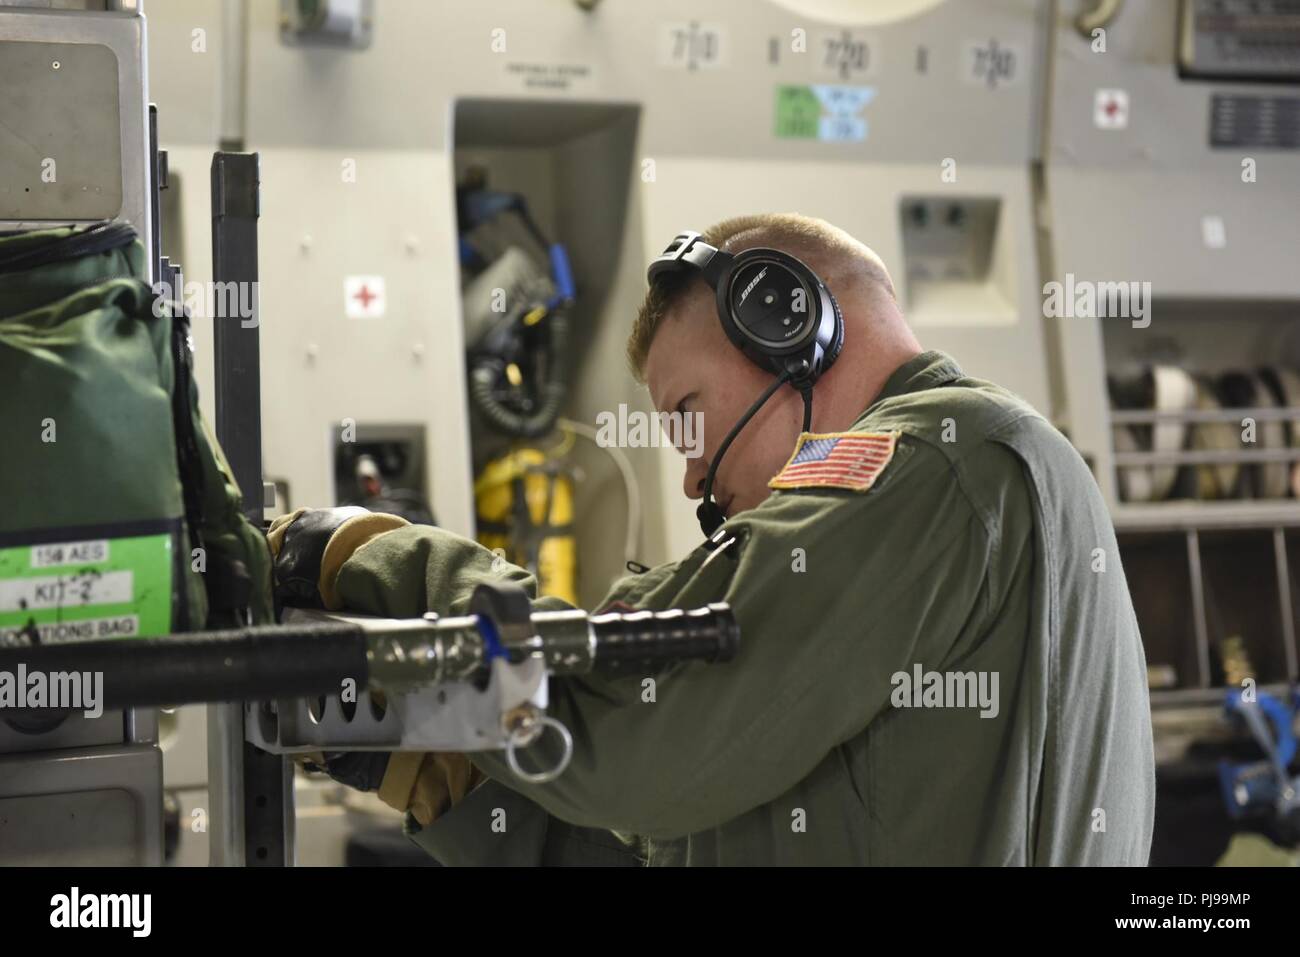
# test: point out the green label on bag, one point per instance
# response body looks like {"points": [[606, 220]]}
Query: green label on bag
{"points": [[86, 590]]}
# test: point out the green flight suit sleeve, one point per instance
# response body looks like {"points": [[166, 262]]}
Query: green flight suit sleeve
{"points": [[834, 591], [494, 825]]}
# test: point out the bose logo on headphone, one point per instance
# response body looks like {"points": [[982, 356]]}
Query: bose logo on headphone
{"points": [[750, 288]]}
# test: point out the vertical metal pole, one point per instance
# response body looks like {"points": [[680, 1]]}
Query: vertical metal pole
{"points": [[235, 208], [1284, 599], [252, 790], [140, 725], [226, 785], [159, 183], [1202, 630]]}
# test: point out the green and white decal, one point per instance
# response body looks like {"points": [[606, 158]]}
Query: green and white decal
{"points": [[822, 111], [86, 589]]}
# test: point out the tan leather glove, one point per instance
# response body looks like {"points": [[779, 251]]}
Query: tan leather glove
{"points": [[427, 784], [310, 545]]}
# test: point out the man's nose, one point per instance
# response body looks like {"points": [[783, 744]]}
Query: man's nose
{"points": [[697, 469]]}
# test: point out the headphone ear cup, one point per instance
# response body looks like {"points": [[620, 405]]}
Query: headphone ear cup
{"points": [[731, 326], [825, 343], [837, 335]]}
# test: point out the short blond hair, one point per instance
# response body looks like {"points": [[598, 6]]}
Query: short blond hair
{"points": [[832, 253]]}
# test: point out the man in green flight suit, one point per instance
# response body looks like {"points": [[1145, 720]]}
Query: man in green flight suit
{"points": [[939, 660]]}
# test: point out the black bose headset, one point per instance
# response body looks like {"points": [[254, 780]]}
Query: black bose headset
{"points": [[776, 310]]}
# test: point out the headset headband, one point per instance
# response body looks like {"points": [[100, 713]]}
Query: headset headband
{"points": [[688, 251]]}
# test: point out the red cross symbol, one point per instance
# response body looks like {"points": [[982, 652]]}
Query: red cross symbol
{"points": [[363, 296], [1111, 107]]}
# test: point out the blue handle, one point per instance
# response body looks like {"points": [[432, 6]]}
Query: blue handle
{"points": [[491, 638], [562, 274]]}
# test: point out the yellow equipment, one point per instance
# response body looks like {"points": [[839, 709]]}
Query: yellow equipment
{"points": [[525, 513]]}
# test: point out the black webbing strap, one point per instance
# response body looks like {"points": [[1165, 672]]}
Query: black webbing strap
{"points": [[99, 238]]}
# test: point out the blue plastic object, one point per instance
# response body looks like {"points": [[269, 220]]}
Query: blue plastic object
{"points": [[491, 637], [1254, 787], [562, 275]]}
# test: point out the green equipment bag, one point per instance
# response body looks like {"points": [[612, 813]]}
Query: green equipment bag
{"points": [[119, 516]]}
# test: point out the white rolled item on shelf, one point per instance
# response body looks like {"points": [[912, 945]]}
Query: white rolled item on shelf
{"points": [[1134, 480], [1175, 391], [1289, 381]]}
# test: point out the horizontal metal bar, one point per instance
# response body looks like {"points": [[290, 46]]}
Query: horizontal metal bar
{"points": [[1182, 514], [1259, 414], [1208, 457]]}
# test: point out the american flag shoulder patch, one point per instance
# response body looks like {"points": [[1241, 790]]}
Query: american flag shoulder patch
{"points": [[848, 460]]}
